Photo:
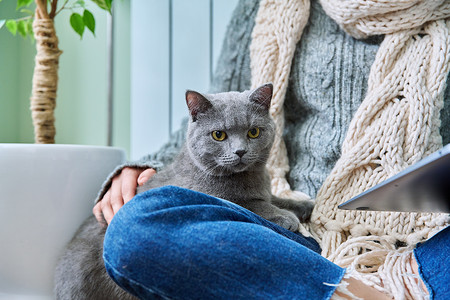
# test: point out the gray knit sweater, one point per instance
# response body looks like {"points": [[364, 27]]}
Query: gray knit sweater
{"points": [[328, 82]]}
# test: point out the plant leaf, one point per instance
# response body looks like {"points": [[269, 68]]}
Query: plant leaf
{"points": [[12, 26], [108, 4], [27, 11], [89, 20], [101, 4], [30, 28], [2, 22], [77, 23], [22, 28], [80, 3], [21, 3]]}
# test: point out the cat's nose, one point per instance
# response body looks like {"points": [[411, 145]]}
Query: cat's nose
{"points": [[240, 153]]}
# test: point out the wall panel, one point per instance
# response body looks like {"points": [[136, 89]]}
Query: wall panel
{"points": [[174, 46]]}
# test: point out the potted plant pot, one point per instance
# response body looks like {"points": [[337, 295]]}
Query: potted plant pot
{"points": [[46, 191]]}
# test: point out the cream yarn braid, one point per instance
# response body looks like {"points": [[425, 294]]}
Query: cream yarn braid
{"points": [[279, 27], [396, 125]]}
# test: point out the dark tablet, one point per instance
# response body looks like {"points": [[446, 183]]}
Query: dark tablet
{"points": [[422, 187]]}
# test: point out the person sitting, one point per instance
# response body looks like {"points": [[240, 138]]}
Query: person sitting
{"points": [[359, 94]]}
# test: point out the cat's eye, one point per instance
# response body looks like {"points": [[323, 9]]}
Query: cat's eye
{"points": [[219, 135], [253, 133]]}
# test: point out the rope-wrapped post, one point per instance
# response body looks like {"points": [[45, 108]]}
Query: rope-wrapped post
{"points": [[45, 78]]}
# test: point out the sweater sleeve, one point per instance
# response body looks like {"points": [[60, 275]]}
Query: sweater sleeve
{"points": [[157, 160]]}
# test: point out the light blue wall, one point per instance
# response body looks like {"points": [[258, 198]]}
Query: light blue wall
{"points": [[82, 101], [9, 75], [149, 76], [16, 58], [174, 45], [121, 84]]}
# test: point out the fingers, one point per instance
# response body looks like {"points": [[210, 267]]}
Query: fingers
{"points": [[97, 211], [116, 199], [122, 190], [129, 184], [107, 209], [103, 210], [145, 175]]}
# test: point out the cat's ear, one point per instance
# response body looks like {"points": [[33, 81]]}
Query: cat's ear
{"points": [[197, 103], [262, 95]]}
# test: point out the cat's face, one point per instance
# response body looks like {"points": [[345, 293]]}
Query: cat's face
{"points": [[230, 132]]}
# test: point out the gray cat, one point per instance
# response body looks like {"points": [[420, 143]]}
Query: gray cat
{"points": [[228, 143]]}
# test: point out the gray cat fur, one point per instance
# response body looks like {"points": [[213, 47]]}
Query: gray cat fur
{"points": [[212, 167], [80, 272], [232, 169]]}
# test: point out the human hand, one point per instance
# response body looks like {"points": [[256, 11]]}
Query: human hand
{"points": [[122, 190]]}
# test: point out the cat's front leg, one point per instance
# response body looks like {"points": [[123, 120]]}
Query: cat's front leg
{"points": [[301, 208], [272, 213], [285, 219]]}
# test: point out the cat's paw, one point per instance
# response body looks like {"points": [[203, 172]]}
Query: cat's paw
{"points": [[303, 209], [286, 219]]}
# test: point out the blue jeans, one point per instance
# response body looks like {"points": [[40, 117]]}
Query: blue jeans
{"points": [[179, 244], [433, 258]]}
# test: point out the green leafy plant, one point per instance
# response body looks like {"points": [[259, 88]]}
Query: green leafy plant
{"points": [[78, 21], [38, 24]]}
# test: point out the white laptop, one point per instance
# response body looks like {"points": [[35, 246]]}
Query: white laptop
{"points": [[422, 187]]}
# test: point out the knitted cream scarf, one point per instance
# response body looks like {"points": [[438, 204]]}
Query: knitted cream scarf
{"points": [[396, 125]]}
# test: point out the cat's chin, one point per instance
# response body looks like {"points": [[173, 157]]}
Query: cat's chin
{"points": [[237, 168], [230, 169], [240, 167]]}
